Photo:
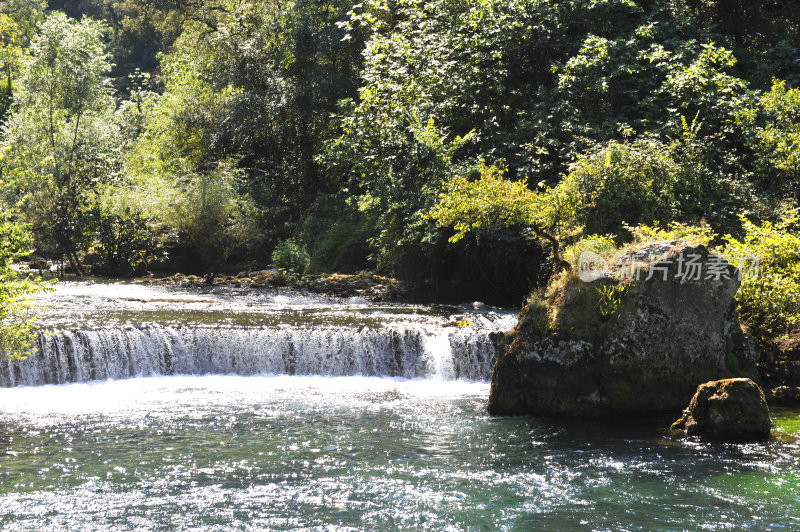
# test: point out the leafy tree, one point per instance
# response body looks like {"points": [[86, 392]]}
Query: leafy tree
{"points": [[491, 200], [772, 129], [18, 19], [257, 82], [290, 258], [210, 215], [59, 142], [633, 183], [769, 254], [534, 87], [17, 320], [202, 209], [123, 241], [765, 33]]}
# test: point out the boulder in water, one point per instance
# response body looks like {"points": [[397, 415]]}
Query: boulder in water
{"points": [[728, 409], [625, 344]]}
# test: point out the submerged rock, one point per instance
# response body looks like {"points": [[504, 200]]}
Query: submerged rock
{"points": [[729, 409], [784, 396], [637, 343]]}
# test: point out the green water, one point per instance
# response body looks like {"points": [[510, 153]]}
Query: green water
{"points": [[355, 453]]}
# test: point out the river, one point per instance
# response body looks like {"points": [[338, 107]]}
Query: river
{"points": [[148, 408]]}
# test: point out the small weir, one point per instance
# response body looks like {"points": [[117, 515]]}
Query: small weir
{"points": [[76, 355], [96, 331]]}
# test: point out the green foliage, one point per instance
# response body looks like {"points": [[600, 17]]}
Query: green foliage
{"points": [[764, 33], [769, 298], [603, 245], [210, 214], [368, 124], [256, 82], [540, 89], [610, 247], [417, 120], [630, 182], [695, 235], [17, 320], [290, 258], [635, 182], [772, 131], [59, 142], [611, 298], [18, 19], [607, 187], [535, 314], [340, 246], [491, 199], [574, 307], [123, 242]]}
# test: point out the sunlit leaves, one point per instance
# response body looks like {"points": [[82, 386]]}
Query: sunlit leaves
{"points": [[489, 200], [59, 143], [17, 320], [772, 129], [769, 297]]}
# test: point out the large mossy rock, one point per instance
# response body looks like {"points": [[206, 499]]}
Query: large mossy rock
{"points": [[622, 346], [729, 409]]}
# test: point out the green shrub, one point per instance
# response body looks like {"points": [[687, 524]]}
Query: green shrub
{"points": [[769, 298], [290, 258], [623, 182], [339, 246], [610, 300], [772, 130], [695, 235], [603, 245], [123, 242], [17, 318]]}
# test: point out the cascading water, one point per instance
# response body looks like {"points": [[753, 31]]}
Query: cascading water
{"points": [[76, 355], [94, 331], [244, 433]]}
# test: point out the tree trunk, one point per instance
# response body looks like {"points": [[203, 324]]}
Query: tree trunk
{"points": [[75, 262], [561, 264], [72, 256]]}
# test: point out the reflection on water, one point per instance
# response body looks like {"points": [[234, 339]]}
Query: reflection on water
{"points": [[366, 453]]}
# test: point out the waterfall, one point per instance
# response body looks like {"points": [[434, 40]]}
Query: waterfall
{"points": [[79, 355]]}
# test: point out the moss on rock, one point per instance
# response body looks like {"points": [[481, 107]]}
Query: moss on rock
{"points": [[728, 409], [656, 339]]}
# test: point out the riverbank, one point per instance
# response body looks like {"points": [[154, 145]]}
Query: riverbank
{"points": [[371, 287]]}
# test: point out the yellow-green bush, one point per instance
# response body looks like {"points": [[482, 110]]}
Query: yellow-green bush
{"points": [[769, 298], [16, 315], [691, 234], [603, 245]]}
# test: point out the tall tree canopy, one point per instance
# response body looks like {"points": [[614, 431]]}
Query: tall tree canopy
{"points": [[59, 141]]}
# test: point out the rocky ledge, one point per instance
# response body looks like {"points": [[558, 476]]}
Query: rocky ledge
{"points": [[639, 338], [370, 287]]}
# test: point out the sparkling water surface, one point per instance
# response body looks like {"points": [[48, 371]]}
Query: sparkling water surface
{"points": [[201, 427], [364, 453]]}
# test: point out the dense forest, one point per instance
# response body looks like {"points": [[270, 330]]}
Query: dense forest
{"points": [[203, 135]]}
